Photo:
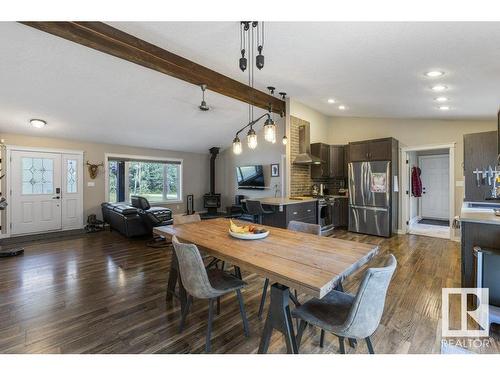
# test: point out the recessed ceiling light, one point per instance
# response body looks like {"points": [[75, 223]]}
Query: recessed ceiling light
{"points": [[434, 74], [37, 123], [441, 99], [331, 101], [439, 88], [444, 107], [342, 107]]}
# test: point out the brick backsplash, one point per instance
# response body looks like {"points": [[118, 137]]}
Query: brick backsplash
{"points": [[300, 176]]}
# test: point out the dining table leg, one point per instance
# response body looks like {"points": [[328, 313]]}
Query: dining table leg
{"points": [[279, 317]]}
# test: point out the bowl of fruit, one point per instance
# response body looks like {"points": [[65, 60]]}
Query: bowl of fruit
{"points": [[247, 232]]}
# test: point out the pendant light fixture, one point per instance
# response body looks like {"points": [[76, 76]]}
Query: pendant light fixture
{"points": [[252, 139], [237, 147], [284, 140], [248, 29]]}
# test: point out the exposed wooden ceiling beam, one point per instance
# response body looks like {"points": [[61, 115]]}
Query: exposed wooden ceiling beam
{"points": [[107, 39]]}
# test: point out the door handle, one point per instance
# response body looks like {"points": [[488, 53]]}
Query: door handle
{"points": [[56, 197]]}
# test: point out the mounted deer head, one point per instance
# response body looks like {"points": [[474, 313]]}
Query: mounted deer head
{"points": [[93, 169]]}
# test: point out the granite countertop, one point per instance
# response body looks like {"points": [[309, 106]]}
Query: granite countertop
{"points": [[283, 201], [483, 215]]}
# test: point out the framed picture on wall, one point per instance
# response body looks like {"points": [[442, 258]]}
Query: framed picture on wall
{"points": [[275, 170]]}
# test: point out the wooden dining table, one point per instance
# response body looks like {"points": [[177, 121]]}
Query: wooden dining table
{"points": [[309, 263]]}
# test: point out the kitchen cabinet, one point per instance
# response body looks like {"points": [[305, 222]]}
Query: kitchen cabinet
{"points": [[306, 212], [333, 157], [340, 212], [371, 150], [480, 151]]}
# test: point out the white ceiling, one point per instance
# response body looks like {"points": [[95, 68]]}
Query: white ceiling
{"points": [[375, 69], [86, 95]]}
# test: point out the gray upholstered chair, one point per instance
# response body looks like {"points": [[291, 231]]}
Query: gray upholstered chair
{"points": [[185, 219], [299, 226], [296, 226], [255, 209], [348, 316], [205, 284]]}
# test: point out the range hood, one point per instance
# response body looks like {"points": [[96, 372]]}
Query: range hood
{"points": [[305, 156]]}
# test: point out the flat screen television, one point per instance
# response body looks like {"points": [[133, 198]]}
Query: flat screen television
{"points": [[250, 177]]}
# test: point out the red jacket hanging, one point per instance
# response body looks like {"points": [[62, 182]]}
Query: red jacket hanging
{"points": [[416, 182]]}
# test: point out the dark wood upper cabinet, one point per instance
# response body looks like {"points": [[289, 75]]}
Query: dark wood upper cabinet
{"points": [[333, 157], [337, 161], [376, 149], [358, 151], [480, 151]]}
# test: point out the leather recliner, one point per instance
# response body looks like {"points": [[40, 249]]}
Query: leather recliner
{"points": [[123, 218], [135, 221]]}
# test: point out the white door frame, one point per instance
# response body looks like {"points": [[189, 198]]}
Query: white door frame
{"points": [[405, 182], [8, 182]]}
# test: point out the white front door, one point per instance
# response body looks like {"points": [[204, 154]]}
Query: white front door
{"points": [[435, 178], [35, 192]]}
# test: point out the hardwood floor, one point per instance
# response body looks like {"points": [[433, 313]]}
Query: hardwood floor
{"points": [[103, 293]]}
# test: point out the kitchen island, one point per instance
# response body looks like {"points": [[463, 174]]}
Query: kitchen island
{"points": [[479, 227], [285, 209]]}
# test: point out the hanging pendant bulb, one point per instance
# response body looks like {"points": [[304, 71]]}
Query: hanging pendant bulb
{"points": [[284, 140], [237, 147], [252, 139], [270, 130]]}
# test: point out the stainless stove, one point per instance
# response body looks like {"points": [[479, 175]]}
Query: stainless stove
{"points": [[325, 215]]}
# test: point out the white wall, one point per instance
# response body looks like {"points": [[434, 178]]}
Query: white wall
{"points": [[320, 123]]}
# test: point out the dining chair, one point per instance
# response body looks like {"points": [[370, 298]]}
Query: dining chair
{"points": [[205, 284], [296, 226], [255, 209], [348, 316], [185, 219]]}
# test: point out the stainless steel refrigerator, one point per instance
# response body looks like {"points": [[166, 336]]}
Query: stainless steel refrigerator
{"points": [[370, 200]]}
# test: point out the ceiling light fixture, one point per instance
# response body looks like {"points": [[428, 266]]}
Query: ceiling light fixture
{"points": [[438, 88], [203, 106], [331, 101], [342, 107], [251, 138], [434, 74], [37, 123], [248, 32], [441, 99], [237, 147], [444, 107]]}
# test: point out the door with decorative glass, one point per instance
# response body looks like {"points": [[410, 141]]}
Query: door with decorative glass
{"points": [[72, 195], [45, 191]]}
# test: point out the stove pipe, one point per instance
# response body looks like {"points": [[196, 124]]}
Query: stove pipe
{"points": [[214, 151]]}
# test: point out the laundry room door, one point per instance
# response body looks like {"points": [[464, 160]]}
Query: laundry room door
{"points": [[435, 177]]}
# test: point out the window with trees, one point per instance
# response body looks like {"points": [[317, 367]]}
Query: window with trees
{"points": [[156, 180]]}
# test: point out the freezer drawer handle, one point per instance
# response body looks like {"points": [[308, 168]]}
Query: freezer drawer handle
{"points": [[370, 208]]}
